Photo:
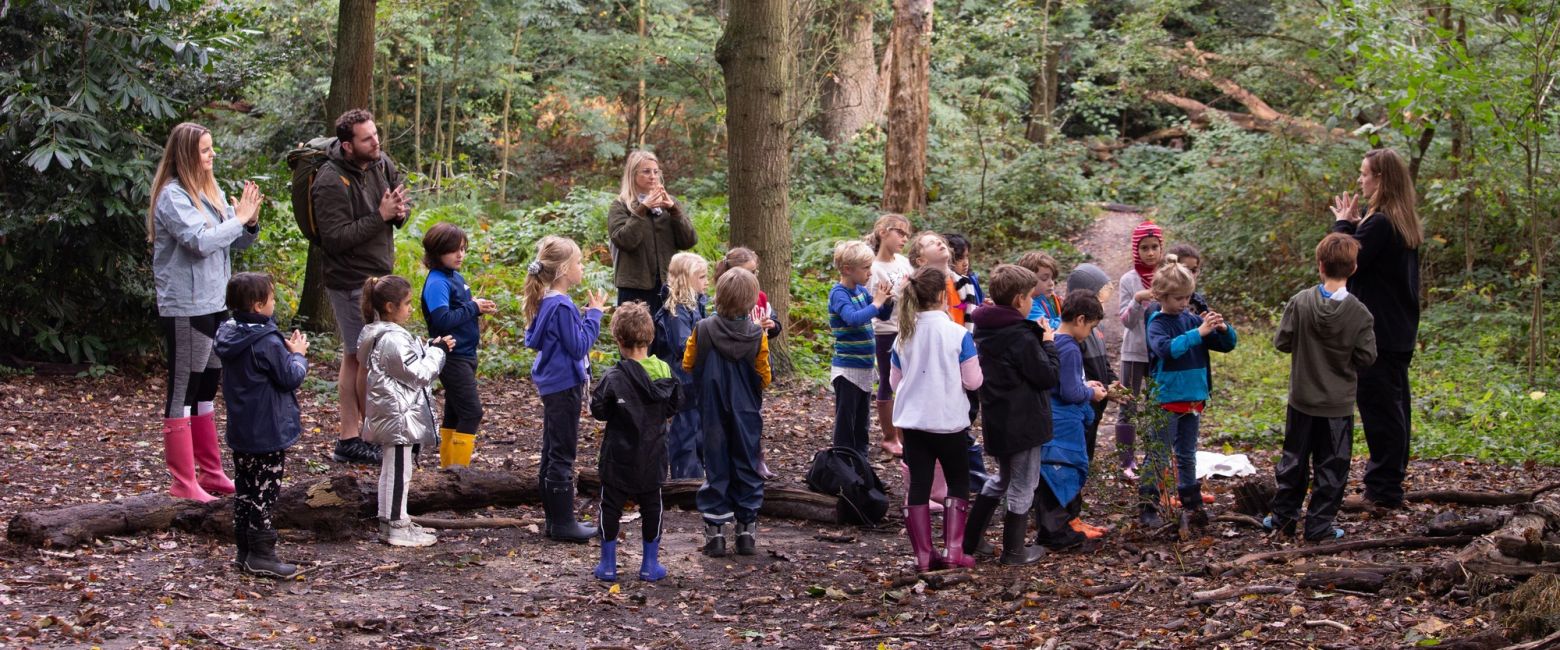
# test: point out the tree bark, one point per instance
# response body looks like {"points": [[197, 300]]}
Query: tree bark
{"points": [[351, 86], [755, 54], [336, 506], [850, 97], [509, 88], [909, 108]]}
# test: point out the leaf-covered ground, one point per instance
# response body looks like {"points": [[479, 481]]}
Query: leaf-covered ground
{"points": [[69, 440]]}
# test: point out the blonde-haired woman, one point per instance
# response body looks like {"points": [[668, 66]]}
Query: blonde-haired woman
{"points": [[1386, 279], [191, 227], [646, 227]]}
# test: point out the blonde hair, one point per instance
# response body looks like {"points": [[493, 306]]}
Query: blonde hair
{"points": [[1035, 261], [852, 253], [735, 258], [915, 246], [926, 291], [626, 191], [880, 229], [181, 161], [1172, 279], [679, 281], [1395, 195], [552, 252], [736, 292]]}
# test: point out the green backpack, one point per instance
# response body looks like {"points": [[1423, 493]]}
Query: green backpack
{"points": [[305, 161]]}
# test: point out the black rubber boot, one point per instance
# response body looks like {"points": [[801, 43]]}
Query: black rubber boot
{"points": [[242, 542], [714, 540], [558, 502], [262, 560], [1192, 505], [747, 538], [1014, 552], [1148, 516], [980, 519]]}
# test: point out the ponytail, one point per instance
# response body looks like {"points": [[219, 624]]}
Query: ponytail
{"points": [[552, 252], [378, 292], [735, 257], [923, 292]]}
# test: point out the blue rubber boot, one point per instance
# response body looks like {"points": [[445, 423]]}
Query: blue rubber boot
{"points": [[607, 570], [650, 568]]}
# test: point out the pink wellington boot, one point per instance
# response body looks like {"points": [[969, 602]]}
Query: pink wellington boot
{"points": [[939, 486], [180, 458], [208, 457]]}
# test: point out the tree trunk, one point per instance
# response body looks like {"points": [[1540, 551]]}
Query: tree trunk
{"points": [[909, 108], [351, 86], [1042, 94], [639, 118], [755, 54], [449, 143], [335, 506], [417, 114], [850, 99], [509, 88]]}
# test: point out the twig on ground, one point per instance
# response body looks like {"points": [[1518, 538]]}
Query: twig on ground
{"points": [[1329, 623], [1200, 598], [891, 635], [383, 567], [1344, 547], [475, 522]]}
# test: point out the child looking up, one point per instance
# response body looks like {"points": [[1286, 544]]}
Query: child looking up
{"points": [[1132, 301], [1332, 338], [1065, 459], [261, 372], [728, 356], [888, 237], [934, 364], [450, 310], [685, 306], [1047, 306], [852, 306], [635, 398], [399, 411], [562, 341], [1018, 365], [1178, 343]]}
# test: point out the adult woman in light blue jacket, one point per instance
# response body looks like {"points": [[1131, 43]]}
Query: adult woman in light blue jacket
{"points": [[192, 228]]}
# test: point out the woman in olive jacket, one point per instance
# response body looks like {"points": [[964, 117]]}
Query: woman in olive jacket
{"points": [[646, 227]]}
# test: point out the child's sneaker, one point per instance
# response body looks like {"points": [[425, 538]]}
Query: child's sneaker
{"points": [[405, 533], [357, 451]]}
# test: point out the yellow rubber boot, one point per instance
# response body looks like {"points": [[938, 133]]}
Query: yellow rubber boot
{"points": [[461, 446], [446, 437]]}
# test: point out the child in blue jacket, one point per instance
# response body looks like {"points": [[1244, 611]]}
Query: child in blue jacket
{"points": [[450, 310], [1178, 346], [261, 372], [562, 340], [686, 279]]}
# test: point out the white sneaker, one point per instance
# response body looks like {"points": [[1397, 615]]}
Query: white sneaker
{"points": [[405, 533]]}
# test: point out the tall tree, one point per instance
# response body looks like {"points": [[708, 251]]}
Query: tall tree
{"points": [[850, 95], [909, 107], [756, 54], [351, 86]]}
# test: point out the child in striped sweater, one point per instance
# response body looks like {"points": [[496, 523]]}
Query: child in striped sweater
{"points": [[852, 306]]}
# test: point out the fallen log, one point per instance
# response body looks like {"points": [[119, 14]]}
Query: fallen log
{"points": [[1467, 497], [336, 506], [1350, 579], [1344, 547], [1478, 522], [1522, 537]]}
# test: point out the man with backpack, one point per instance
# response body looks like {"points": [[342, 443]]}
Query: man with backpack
{"points": [[357, 199]]}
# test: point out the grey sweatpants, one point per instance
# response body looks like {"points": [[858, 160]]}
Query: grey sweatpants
{"points": [[1020, 474]]}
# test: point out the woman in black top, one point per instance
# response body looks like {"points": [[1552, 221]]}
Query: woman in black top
{"points": [[1386, 279]]}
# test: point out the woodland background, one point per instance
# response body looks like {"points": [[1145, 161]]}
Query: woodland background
{"points": [[787, 125]]}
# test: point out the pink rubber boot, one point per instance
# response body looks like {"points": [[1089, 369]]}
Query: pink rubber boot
{"points": [[180, 458], [208, 457]]}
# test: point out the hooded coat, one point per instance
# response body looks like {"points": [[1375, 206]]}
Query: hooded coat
{"points": [[1064, 460], [1332, 341], [259, 379], [636, 409], [190, 251], [401, 370], [1019, 368], [358, 243]]}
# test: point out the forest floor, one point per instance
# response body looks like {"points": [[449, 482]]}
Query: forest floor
{"points": [[73, 440]]}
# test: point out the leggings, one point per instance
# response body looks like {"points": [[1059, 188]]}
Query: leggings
{"points": [[258, 481], [193, 371], [885, 345], [612, 500], [395, 476], [923, 450]]}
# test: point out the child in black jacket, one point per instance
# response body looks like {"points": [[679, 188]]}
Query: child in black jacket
{"points": [[1018, 361], [261, 372], [636, 398]]}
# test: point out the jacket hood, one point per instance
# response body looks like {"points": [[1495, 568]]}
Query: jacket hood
{"points": [[735, 338], [371, 332], [234, 337], [1332, 318], [996, 317], [334, 153], [651, 391], [1087, 276]]}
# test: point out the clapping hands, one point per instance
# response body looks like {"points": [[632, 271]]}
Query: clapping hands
{"points": [[1345, 207], [297, 343], [247, 206], [596, 300]]}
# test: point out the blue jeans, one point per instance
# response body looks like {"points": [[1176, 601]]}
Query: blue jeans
{"points": [[1178, 436]]}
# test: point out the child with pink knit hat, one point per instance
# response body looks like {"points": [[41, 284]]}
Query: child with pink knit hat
{"points": [[1132, 297]]}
